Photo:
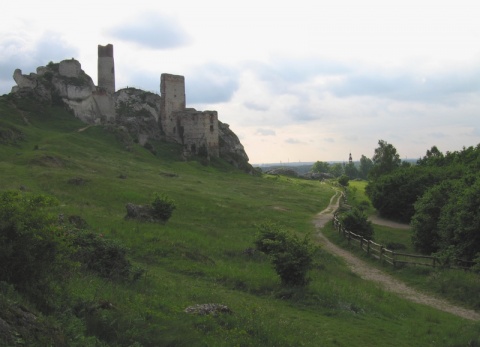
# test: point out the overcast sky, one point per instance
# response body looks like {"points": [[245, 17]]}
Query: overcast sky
{"points": [[296, 80]]}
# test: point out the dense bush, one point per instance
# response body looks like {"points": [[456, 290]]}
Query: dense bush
{"points": [[163, 207], [33, 248], [105, 257], [357, 222], [343, 180], [395, 194], [291, 257], [428, 210]]}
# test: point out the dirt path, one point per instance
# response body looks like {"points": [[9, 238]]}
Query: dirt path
{"points": [[388, 282], [375, 219]]}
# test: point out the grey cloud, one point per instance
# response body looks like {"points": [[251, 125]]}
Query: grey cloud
{"points": [[403, 84], [211, 83], [282, 72], [145, 80], [155, 31], [293, 141], [265, 132], [410, 86], [255, 106], [14, 54], [438, 135]]}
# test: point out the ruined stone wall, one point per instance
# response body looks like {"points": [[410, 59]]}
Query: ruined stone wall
{"points": [[105, 105], [172, 88], [70, 68], [199, 129], [106, 68]]}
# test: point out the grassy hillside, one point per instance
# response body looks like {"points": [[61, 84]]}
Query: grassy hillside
{"points": [[198, 256]]}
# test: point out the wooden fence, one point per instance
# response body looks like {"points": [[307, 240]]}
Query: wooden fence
{"points": [[394, 258]]}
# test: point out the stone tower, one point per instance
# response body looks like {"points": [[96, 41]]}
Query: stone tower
{"points": [[106, 68], [172, 88]]}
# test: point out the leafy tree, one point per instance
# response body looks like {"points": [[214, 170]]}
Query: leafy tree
{"points": [[433, 157], [290, 256], [336, 169], [351, 171], [357, 222], [343, 180], [459, 224], [428, 210], [366, 165], [385, 160], [395, 194], [321, 167]]}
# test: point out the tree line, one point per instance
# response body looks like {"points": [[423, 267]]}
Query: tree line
{"points": [[439, 197]]}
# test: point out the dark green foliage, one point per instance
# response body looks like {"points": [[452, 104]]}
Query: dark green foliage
{"points": [[357, 222], [291, 257], [385, 160], [321, 167], [459, 224], [336, 169], [163, 207], [32, 246], [351, 171], [428, 210], [441, 196], [395, 194], [366, 165], [107, 258], [343, 180]]}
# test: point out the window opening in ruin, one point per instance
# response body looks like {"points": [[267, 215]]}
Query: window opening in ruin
{"points": [[211, 128]]}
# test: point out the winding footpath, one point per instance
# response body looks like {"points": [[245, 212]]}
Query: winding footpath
{"points": [[373, 274]]}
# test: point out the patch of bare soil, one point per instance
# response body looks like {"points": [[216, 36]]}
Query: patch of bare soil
{"points": [[386, 281]]}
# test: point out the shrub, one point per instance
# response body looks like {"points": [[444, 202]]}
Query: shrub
{"points": [[163, 207], [33, 248], [343, 180], [107, 258], [290, 256], [357, 222]]}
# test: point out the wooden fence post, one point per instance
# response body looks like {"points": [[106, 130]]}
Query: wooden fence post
{"points": [[433, 262], [381, 254], [393, 260], [368, 246]]}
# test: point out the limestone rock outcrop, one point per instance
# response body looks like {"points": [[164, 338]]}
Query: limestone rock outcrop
{"points": [[231, 149], [146, 116]]}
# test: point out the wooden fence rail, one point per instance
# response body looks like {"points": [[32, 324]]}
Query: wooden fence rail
{"points": [[384, 254]]}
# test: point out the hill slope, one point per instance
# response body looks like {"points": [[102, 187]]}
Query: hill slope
{"points": [[201, 255]]}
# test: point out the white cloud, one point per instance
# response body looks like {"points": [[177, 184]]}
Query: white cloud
{"points": [[265, 132], [305, 80], [152, 30]]}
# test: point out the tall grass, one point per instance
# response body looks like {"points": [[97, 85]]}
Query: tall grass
{"points": [[203, 253]]}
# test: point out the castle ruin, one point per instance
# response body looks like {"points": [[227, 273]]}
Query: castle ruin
{"points": [[106, 68], [196, 130], [145, 115]]}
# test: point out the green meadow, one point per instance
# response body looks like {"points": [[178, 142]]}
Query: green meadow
{"points": [[203, 254]]}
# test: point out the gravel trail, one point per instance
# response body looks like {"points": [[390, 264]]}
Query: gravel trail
{"points": [[373, 274]]}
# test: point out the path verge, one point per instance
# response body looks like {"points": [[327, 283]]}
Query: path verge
{"points": [[388, 282]]}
